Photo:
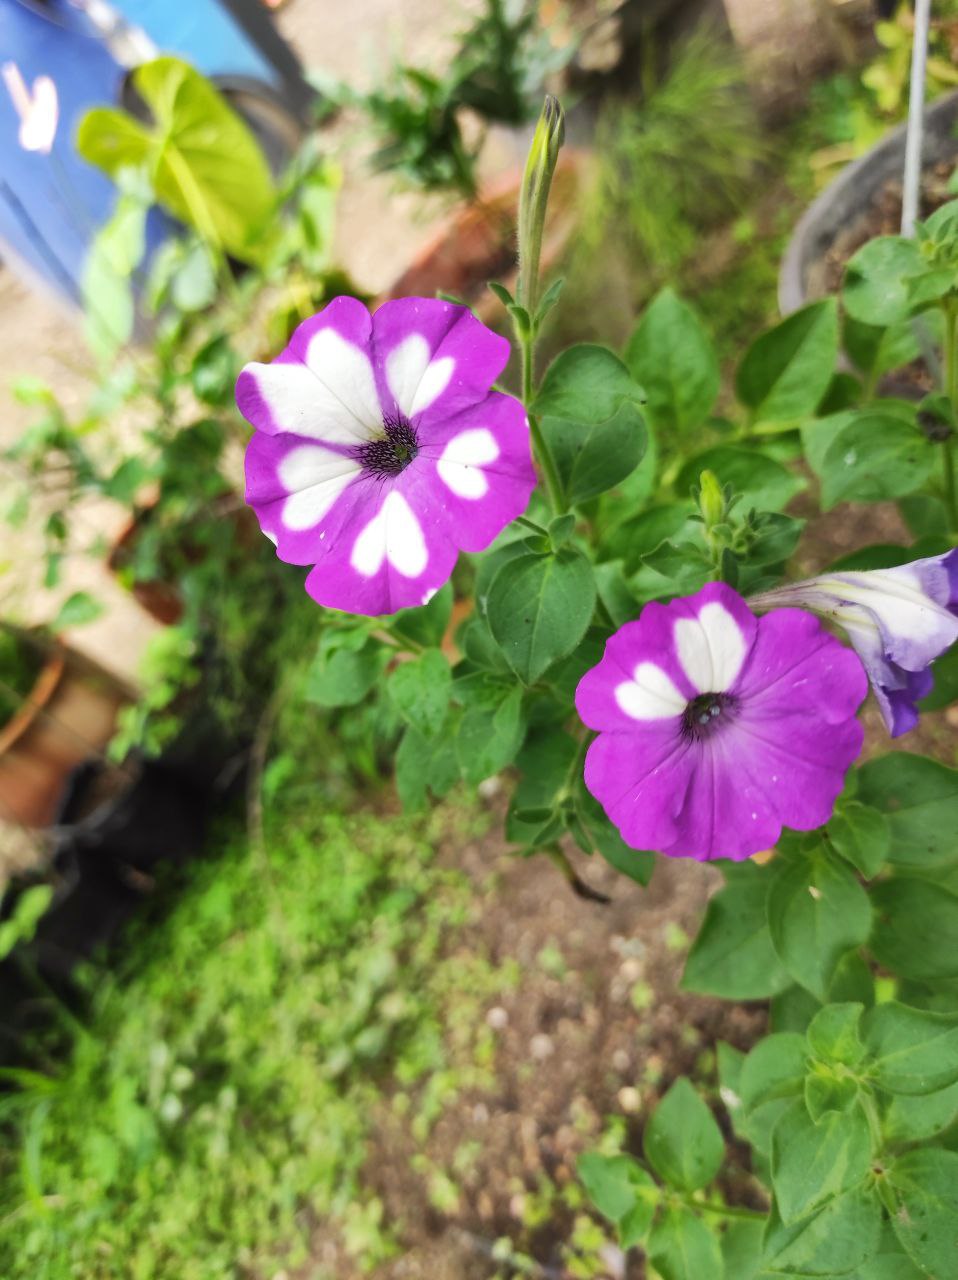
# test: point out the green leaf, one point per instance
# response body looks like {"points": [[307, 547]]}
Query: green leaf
{"points": [[876, 350], [591, 419], [545, 765], [742, 1250], [637, 864], [682, 1247], [622, 1191], [106, 286], [615, 594], [682, 1141], [876, 291], [586, 383], [833, 1034], [920, 798], [786, 371], [915, 1052], [762, 482], [671, 356], [812, 1163], [426, 625], [213, 375], [733, 956], [344, 677], [206, 167], [873, 457], [861, 835], [77, 610], [945, 691], [889, 1266], [925, 1184], [817, 910], [672, 569], [911, 1119], [925, 516], [492, 726], [916, 928], [827, 1093], [539, 608], [594, 456], [22, 924], [773, 1069], [832, 1241], [423, 764], [772, 1077], [421, 688], [635, 537]]}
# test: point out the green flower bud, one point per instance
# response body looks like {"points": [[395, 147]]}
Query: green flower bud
{"points": [[534, 197], [711, 499]]}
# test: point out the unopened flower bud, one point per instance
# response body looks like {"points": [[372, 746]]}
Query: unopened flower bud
{"points": [[711, 499], [534, 197]]}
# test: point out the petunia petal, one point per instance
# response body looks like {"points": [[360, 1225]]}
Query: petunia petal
{"points": [[711, 646], [433, 359], [641, 780], [476, 471], [322, 387], [294, 486]]}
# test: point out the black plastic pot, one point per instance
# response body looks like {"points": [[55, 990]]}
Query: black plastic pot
{"points": [[847, 198]]}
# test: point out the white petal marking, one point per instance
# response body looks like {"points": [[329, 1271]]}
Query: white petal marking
{"points": [[649, 695], [347, 387], [433, 383], [393, 534], [314, 478], [711, 648], [413, 377], [462, 458]]}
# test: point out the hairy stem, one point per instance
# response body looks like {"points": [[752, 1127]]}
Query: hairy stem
{"points": [[539, 443], [951, 388]]}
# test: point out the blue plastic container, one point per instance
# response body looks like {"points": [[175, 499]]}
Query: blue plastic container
{"points": [[52, 205]]}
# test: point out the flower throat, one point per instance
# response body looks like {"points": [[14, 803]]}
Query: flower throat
{"points": [[705, 714], [392, 453]]}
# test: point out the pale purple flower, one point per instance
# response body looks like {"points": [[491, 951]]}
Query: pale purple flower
{"points": [[898, 620], [380, 450], [717, 728]]}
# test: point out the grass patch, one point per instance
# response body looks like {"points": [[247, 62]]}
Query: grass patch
{"points": [[217, 1106]]}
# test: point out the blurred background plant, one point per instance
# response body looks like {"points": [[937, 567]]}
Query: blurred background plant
{"points": [[417, 118], [676, 159]]}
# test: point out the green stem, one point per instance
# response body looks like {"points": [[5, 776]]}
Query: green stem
{"points": [[539, 443], [724, 1210], [951, 388], [874, 1122]]}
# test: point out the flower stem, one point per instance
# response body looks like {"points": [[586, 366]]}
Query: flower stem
{"points": [[724, 1210], [539, 443], [951, 388]]}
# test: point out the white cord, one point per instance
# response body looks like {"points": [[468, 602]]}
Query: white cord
{"points": [[916, 115]]}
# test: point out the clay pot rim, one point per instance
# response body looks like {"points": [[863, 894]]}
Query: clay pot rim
{"points": [[39, 697], [499, 193]]}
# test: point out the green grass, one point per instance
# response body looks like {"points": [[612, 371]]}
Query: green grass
{"points": [[217, 1107]]}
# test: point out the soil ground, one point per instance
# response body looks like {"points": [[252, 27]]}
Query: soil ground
{"points": [[596, 1026]]}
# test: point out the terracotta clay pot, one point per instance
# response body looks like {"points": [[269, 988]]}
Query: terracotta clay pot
{"points": [[477, 242], [161, 598], [68, 718]]}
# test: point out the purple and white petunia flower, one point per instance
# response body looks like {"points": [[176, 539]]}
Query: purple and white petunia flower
{"points": [[717, 728], [380, 450], [898, 621]]}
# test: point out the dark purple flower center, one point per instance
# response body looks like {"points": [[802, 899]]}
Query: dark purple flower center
{"points": [[704, 714], [392, 452]]}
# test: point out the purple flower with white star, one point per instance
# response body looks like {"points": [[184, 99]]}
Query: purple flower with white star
{"points": [[380, 450], [898, 620], [717, 728]]}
